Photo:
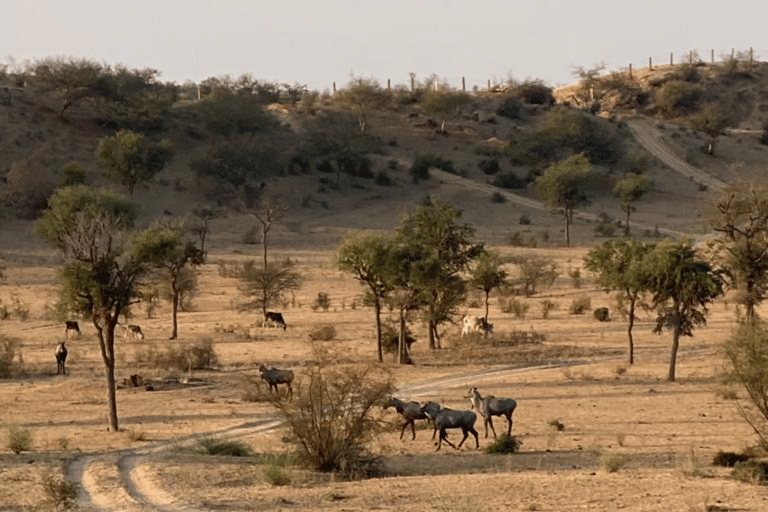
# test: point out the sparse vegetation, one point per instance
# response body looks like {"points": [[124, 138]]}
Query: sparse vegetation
{"points": [[213, 446], [17, 438], [503, 444], [195, 356], [60, 493]]}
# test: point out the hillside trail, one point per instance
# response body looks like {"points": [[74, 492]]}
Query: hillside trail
{"points": [[511, 197], [650, 138], [118, 481]]}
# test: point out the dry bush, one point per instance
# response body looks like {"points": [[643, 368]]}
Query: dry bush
{"points": [[330, 418], [546, 307], [580, 305], [322, 332], [59, 493], [10, 349], [515, 306], [17, 438], [29, 186], [612, 462], [197, 356]]}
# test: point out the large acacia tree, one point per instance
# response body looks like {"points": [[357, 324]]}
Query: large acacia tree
{"points": [[488, 274], [563, 188], [129, 158], [741, 216], [165, 248], [100, 277], [448, 249], [618, 264], [682, 286], [366, 257]]}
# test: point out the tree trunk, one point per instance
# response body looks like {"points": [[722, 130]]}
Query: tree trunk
{"points": [[107, 346], [675, 345], [626, 227], [401, 339], [485, 331], [174, 307], [567, 229], [430, 332], [377, 310], [632, 301]]}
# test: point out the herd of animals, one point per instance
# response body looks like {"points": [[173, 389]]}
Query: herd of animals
{"points": [[442, 418]]}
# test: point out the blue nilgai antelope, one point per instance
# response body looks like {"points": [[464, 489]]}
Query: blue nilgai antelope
{"points": [[449, 418], [411, 411], [490, 406]]}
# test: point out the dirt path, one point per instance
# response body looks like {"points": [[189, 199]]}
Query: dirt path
{"points": [[454, 179], [117, 481], [650, 139]]}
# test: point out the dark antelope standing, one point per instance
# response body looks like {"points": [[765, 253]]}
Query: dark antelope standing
{"points": [[273, 376], [449, 418], [490, 406], [410, 411], [71, 325], [61, 359]]}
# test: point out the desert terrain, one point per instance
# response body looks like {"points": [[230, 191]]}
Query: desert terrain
{"points": [[597, 434]]}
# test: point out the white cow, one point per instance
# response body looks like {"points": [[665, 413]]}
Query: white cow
{"points": [[476, 324]]}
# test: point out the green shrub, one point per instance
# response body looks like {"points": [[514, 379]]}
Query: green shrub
{"points": [[580, 305], [276, 476], [422, 163], [535, 92], [729, 459], [498, 197], [17, 438], [211, 446], [510, 108], [504, 444], [612, 462], [677, 97], [390, 337], [509, 179], [489, 166], [751, 471], [382, 179]]}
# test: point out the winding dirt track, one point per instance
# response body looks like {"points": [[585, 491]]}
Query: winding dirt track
{"points": [[116, 481], [650, 139]]}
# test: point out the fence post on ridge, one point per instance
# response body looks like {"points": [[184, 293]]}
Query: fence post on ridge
{"points": [[650, 63]]}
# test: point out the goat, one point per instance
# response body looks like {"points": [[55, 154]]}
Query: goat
{"points": [[273, 377], [490, 406], [61, 358], [449, 418], [410, 411]]}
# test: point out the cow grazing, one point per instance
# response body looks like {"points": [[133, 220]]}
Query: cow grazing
{"points": [[71, 326], [475, 325], [134, 331], [274, 376], [61, 359], [274, 319]]}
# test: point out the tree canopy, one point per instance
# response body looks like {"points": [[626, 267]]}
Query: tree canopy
{"points": [[682, 286], [100, 279], [563, 187], [129, 158]]}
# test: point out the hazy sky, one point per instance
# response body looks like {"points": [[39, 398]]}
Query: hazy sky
{"points": [[318, 42]]}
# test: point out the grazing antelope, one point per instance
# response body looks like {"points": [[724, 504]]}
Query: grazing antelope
{"points": [[71, 325], [134, 331], [410, 411], [273, 377], [449, 418]]}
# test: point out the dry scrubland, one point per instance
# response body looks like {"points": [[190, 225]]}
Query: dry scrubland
{"points": [[659, 436], [628, 440]]}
